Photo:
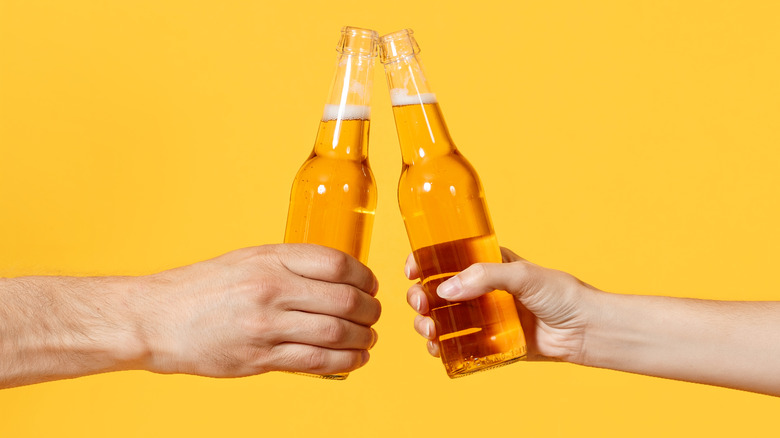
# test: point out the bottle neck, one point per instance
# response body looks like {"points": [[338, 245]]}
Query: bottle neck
{"points": [[422, 132], [343, 131]]}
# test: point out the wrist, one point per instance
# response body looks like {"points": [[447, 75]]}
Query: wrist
{"points": [[132, 350], [157, 334], [586, 324], [568, 314], [620, 337]]}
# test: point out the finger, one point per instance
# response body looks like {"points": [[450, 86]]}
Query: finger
{"points": [[481, 278], [327, 264], [316, 360], [434, 349], [425, 327], [339, 300], [411, 269], [508, 256], [416, 298], [328, 332]]}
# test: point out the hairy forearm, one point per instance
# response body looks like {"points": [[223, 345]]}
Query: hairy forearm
{"points": [[723, 343], [62, 327]]}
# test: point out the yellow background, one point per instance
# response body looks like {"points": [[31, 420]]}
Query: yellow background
{"points": [[634, 144]]}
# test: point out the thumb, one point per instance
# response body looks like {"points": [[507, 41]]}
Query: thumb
{"points": [[517, 278]]}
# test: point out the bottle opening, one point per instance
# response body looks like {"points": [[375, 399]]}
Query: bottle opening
{"points": [[358, 41], [397, 45]]}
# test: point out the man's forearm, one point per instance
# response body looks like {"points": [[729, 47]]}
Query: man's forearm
{"points": [[61, 327], [732, 344]]}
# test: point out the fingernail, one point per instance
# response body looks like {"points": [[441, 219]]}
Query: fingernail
{"points": [[418, 303], [407, 272], [430, 346], [427, 330], [450, 288]]}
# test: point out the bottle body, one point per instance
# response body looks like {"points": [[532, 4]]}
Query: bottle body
{"points": [[333, 200], [447, 220], [333, 197]]}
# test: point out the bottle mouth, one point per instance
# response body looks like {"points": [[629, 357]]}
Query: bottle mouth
{"points": [[397, 45], [358, 41]]}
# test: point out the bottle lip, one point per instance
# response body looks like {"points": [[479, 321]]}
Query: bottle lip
{"points": [[403, 33], [347, 44], [397, 45]]}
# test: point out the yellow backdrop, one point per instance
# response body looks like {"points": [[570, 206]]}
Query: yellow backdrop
{"points": [[634, 144]]}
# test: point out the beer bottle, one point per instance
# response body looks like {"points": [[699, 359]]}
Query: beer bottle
{"points": [[443, 206], [333, 197]]}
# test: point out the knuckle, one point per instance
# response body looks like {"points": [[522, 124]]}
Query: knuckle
{"points": [[335, 333], [527, 276], [477, 273], [350, 300], [262, 251], [316, 360], [263, 287], [520, 267], [528, 268], [521, 271], [263, 329], [522, 264], [338, 263]]}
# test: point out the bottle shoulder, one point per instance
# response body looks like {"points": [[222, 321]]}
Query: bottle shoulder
{"points": [[332, 170], [334, 166], [450, 170]]}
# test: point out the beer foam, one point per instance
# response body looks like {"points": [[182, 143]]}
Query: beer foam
{"points": [[346, 112], [400, 96]]}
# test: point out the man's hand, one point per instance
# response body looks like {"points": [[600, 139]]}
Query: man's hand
{"points": [[284, 307], [291, 307]]}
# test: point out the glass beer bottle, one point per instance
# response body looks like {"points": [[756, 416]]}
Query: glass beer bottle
{"points": [[333, 197], [447, 220]]}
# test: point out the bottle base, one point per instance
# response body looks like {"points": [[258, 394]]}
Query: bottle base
{"points": [[474, 365], [322, 376]]}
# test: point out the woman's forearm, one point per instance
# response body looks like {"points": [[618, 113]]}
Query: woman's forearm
{"points": [[724, 343]]}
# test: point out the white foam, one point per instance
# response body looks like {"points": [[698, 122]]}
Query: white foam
{"points": [[346, 112], [400, 96]]}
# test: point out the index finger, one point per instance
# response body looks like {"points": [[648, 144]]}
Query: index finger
{"points": [[319, 262]]}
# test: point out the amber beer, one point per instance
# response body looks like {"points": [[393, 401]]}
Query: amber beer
{"points": [[447, 220], [333, 197]]}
